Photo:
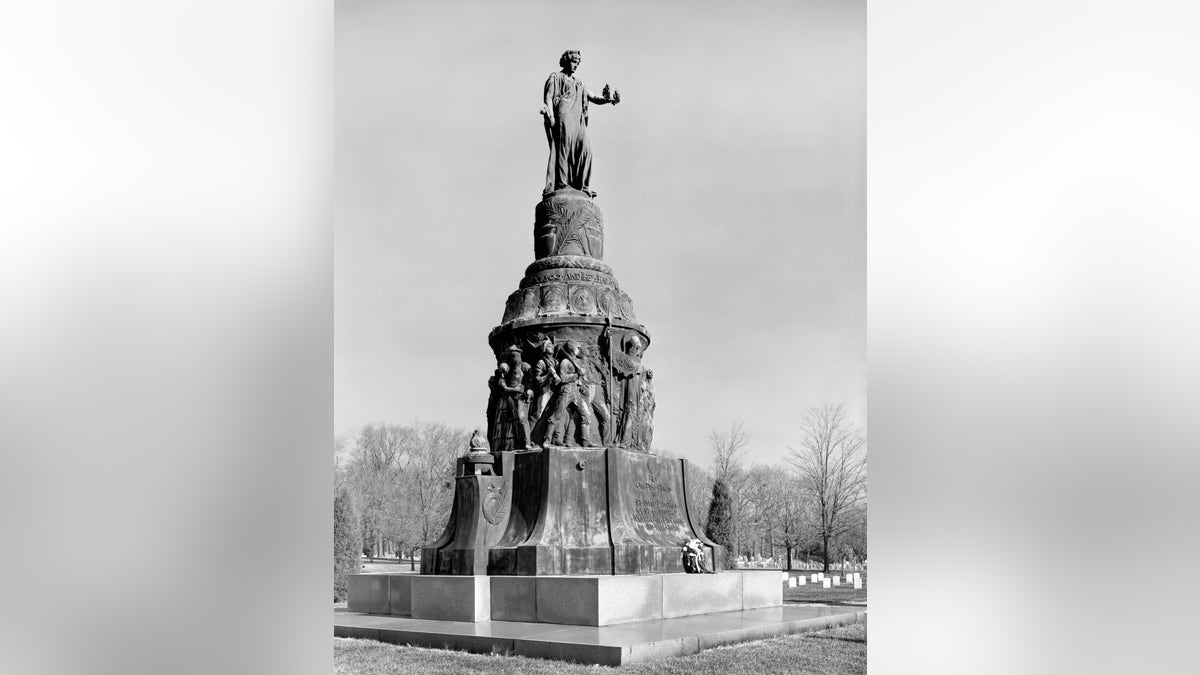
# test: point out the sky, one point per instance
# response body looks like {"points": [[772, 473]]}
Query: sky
{"points": [[732, 179]]}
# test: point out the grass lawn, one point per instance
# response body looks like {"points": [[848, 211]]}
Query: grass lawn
{"points": [[837, 650]]}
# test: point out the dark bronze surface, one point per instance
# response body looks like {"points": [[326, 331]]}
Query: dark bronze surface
{"points": [[573, 511]]}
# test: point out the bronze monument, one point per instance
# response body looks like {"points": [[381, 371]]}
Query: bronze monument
{"points": [[574, 487]]}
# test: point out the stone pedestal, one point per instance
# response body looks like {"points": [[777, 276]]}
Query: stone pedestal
{"points": [[594, 600], [571, 511], [477, 518]]}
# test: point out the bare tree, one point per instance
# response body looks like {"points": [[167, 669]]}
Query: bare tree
{"points": [[698, 484], [401, 477], [342, 458], [757, 507], [430, 456], [374, 471], [854, 541], [785, 497], [832, 463], [728, 466], [729, 450]]}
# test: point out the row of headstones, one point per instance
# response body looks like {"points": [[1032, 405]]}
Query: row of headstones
{"points": [[757, 563], [826, 582], [796, 565]]}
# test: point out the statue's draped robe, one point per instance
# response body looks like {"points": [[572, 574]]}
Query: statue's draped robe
{"points": [[570, 162], [629, 372]]}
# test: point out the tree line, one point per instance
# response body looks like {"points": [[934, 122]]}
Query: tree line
{"points": [[400, 481], [811, 505]]}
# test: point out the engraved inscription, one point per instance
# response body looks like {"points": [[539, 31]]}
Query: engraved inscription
{"points": [[573, 275], [655, 506]]}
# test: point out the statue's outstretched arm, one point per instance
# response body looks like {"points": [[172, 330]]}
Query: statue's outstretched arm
{"points": [[607, 96]]}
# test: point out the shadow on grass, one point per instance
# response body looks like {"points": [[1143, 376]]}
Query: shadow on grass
{"points": [[832, 603]]}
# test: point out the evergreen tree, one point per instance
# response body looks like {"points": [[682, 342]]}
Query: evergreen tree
{"points": [[347, 544], [719, 527]]}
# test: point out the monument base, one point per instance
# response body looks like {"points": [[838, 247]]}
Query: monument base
{"points": [[570, 600], [570, 511], [609, 646]]}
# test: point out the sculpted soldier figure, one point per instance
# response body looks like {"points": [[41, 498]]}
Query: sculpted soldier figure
{"points": [[596, 396], [542, 379], [510, 431], [570, 399], [494, 396], [565, 113]]}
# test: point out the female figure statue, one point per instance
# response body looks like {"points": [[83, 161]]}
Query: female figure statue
{"points": [[510, 421], [565, 113]]}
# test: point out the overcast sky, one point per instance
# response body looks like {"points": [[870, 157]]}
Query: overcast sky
{"points": [[732, 180]]}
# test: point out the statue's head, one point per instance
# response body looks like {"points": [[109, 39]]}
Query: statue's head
{"points": [[569, 56], [633, 345], [514, 354]]}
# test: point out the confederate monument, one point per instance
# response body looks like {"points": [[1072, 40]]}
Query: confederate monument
{"points": [[567, 483], [562, 513]]}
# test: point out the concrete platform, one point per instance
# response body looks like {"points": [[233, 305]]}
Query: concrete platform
{"points": [[602, 645]]}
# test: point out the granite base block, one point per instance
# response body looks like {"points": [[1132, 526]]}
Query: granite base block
{"points": [[691, 594], [761, 589], [400, 594], [514, 598], [452, 598], [368, 593], [599, 600]]}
